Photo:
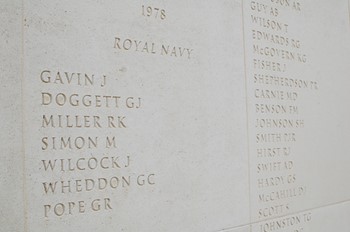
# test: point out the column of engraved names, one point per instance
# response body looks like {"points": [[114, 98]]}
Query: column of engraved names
{"points": [[83, 163], [276, 51]]}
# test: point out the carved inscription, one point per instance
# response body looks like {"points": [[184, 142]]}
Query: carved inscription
{"points": [[153, 12], [82, 123], [152, 48], [295, 223], [274, 53], [86, 129]]}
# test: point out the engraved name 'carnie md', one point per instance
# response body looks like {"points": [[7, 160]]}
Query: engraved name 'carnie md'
{"points": [[136, 45]]}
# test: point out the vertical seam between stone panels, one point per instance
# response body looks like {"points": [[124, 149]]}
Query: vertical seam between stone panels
{"points": [[25, 227], [349, 11], [247, 113]]}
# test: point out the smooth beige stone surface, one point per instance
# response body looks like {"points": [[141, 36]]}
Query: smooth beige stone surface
{"points": [[183, 116], [11, 155], [334, 217]]}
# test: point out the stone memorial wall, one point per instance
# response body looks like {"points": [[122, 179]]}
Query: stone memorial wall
{"points": [[168, 116]]}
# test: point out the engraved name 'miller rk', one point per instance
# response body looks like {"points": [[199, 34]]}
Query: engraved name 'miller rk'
{"points": [[152, 48]]}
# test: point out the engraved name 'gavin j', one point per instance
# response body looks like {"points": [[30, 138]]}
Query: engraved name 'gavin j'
{"points": [[152, 48]]}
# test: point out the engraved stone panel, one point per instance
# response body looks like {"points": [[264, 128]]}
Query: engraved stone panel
{"points": [[126, 123], [167, 116], [298, 124]]}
